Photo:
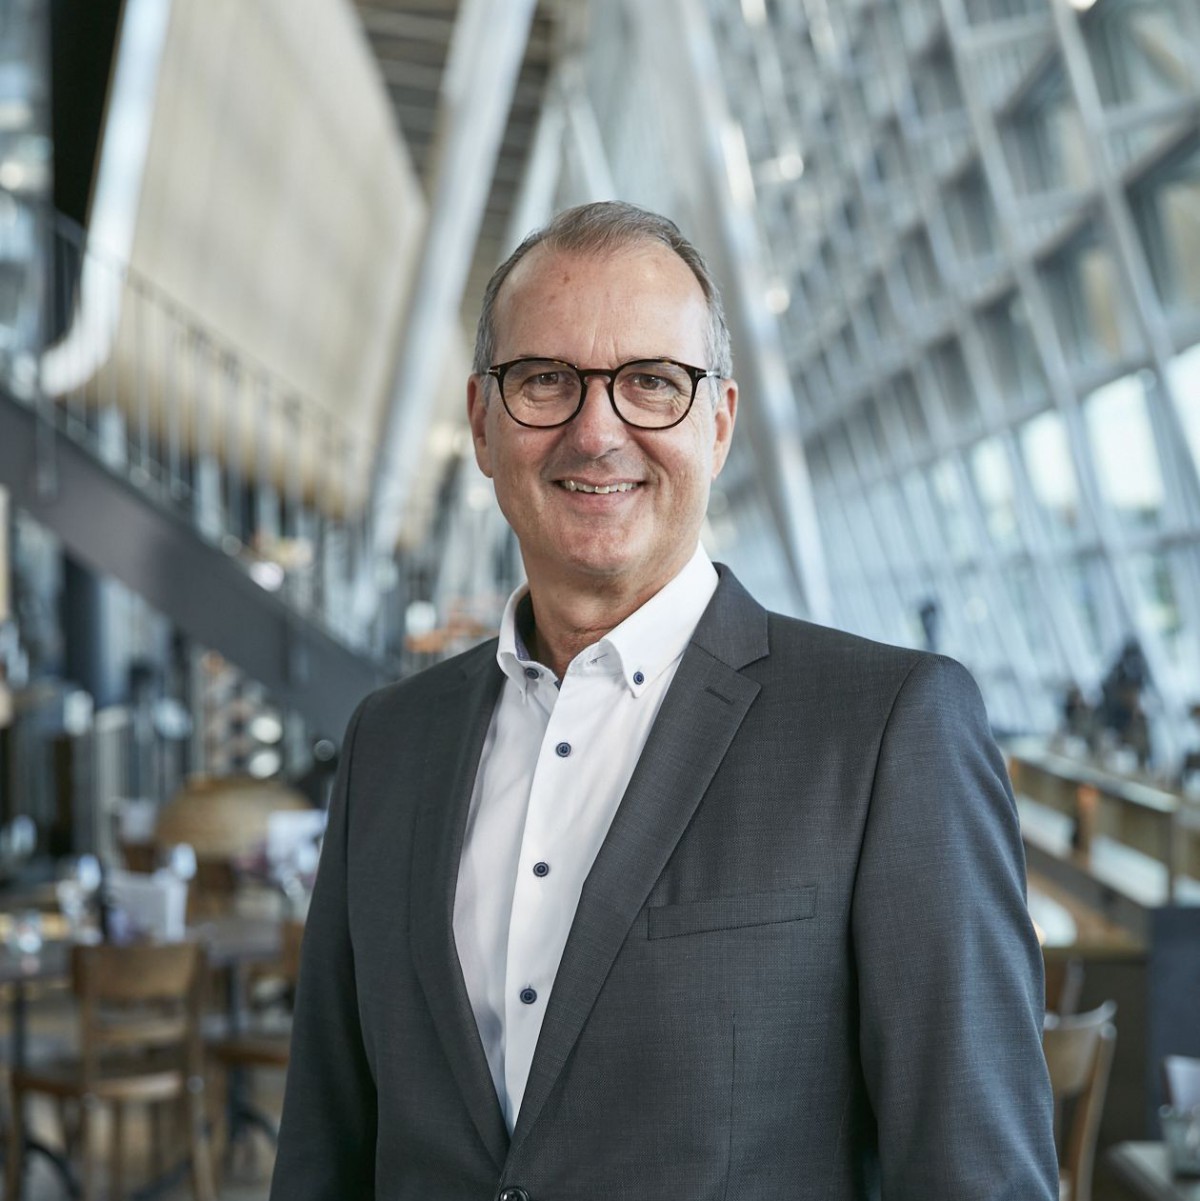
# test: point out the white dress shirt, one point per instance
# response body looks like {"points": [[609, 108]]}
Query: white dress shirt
{"points": [[555, 764]]}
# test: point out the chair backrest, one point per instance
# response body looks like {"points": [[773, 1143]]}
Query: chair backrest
{"points": [[1079, 1053], [289, 954], [144, 996], [1064, 983], [1181, 1081]]}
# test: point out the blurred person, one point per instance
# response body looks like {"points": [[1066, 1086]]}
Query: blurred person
{"points": [[659, 895], [1121, 708]]}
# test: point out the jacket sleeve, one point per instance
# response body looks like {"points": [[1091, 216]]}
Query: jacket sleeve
{"points": [[950, 972], [327, 1133]]}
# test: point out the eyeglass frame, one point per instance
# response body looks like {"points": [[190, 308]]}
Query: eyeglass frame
{"points": [[497, 371]]}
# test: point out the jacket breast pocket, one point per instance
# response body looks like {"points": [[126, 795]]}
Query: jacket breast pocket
{"points": [[731, 913]]}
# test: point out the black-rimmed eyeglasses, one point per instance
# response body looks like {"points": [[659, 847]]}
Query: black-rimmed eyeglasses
{"points": [[650, 394]]}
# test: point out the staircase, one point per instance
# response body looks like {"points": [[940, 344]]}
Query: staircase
{"points": [[161, 457]]}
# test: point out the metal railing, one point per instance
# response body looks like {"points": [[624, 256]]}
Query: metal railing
{"points": [[273, 478]]}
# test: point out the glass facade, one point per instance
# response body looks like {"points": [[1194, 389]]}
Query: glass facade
{"points": [[992, 254]]}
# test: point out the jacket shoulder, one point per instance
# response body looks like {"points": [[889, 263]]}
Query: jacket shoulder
{"points": [[845, 661]]}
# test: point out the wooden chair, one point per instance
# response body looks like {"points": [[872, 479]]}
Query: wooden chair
{"points": [[1181, 1081], [1064, 984], [1079, 1053], [258, 1045], [139, 1042]]}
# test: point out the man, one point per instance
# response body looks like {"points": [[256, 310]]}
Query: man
{"points": [[660, 897]]}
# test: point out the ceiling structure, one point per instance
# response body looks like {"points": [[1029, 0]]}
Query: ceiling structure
{"points": [[411, 41]]}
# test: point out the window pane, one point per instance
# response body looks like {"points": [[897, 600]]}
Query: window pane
{"points": [[866, 541], [1086, 302], [950, 502], [971, 217], [1011, 351], [1159, 599], [1167, 207], [1044, 138], [1034, 619], [835, 535], [954, 385], [1137, 51], [1123, 445], [921, 516], [1092, 594], [1047, 453], [994, 483], [977, 610], [888, 509], [1184, 374]]}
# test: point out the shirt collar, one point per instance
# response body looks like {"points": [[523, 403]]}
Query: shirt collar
{"points": [[640, 649]]}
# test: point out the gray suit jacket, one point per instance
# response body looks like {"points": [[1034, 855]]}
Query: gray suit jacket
{"points": [[801, 966]]}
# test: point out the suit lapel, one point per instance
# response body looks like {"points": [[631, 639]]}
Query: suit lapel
{"points": [[699, 718], [458, 725]]}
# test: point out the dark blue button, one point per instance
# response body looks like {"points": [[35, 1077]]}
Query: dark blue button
{"points": [[541, 869], [638, 678], [528, 996], [532, 673], [563, 750], [513, 1194]]}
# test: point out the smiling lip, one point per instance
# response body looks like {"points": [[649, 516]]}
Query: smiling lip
{"points": [[607, 489]]}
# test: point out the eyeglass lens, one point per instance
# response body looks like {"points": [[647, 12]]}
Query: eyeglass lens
{"points": [[651, 394]]}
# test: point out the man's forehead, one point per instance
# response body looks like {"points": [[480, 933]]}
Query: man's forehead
{"points": [[552, 281], [644, 261]]}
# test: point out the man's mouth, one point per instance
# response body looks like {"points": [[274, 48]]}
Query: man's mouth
{"points": [[600, 489]]}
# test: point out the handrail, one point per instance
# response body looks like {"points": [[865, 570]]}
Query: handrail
{"points": [[1079, 789], [198, 426]]}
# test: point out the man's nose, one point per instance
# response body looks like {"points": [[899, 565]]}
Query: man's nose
{"points": [[596, 427]]}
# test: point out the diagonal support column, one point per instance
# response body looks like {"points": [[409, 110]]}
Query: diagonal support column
{"points": [[535, 198], [486, 53], [780, 449], [585, 137]]}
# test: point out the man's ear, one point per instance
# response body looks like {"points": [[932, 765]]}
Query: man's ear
{"points": [[477, 407], [724, 419]]}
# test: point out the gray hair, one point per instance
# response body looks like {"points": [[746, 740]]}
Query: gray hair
{"points": [[599, 228]]}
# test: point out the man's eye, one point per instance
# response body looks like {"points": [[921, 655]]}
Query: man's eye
{"points": [[547, 379], [650, 383]]}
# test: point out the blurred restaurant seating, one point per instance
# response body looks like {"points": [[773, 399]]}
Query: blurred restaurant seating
{"points": [[139, 1044], [259, 1039], [1079, 1052]]}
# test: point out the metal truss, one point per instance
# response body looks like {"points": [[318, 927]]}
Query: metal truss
{"points": [[976, 214]]}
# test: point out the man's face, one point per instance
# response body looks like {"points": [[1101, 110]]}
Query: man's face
{"points": [[641, 302]]}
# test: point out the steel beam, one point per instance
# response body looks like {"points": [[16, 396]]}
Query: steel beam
{"points": [[535, 197], [683, 24], [585, 137], [486, 53]]}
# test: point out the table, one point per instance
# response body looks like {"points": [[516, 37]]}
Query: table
{"points": [[1143, 1167]]}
